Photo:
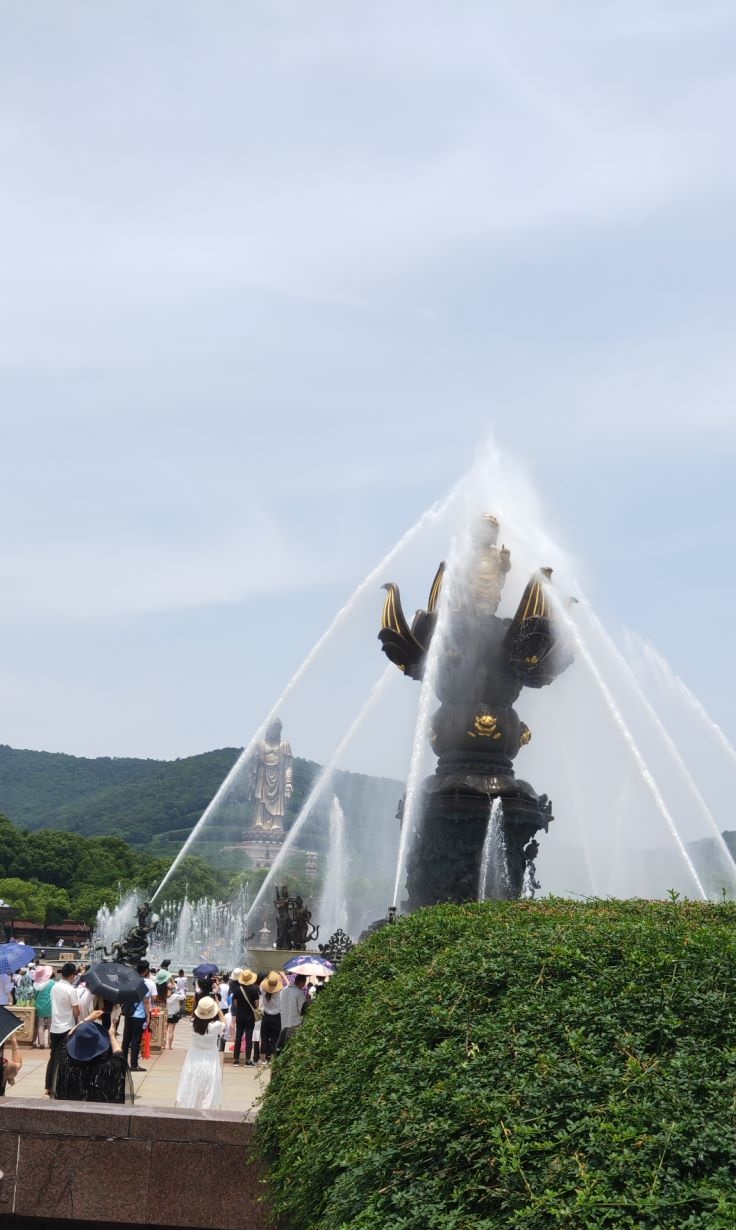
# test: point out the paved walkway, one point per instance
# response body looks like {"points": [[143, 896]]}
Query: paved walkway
{"points": [[241, 1087]]}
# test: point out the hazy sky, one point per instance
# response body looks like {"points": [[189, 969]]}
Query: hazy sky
{"points": [[270, 273]]}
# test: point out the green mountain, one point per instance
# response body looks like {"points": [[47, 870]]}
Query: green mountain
{"points": [[154, 804], [133, 799]]}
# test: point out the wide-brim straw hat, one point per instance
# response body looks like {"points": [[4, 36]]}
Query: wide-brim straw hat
{"points": [[272, 982], [246, 977], [206, 1008]]}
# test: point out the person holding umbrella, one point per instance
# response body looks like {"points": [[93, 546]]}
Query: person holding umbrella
{"points": [[113, 983], [204, 979], [13, 956], [137, 1018], [9, 1068]]}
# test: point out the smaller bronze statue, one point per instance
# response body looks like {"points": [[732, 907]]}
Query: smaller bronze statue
{"points": [[294, 926], [301, 918], [282, 917], [531, 850], [132, 948]]}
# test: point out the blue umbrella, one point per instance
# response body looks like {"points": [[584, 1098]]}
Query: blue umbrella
{"points": [[14, 956], [309, 965], [205, 970]]}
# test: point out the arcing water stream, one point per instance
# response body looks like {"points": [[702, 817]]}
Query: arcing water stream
{"points": [[697, 708], [611, 794], [631, 744], [373, 577], [642, 699], [322, 781], [333, 907], [493, 880]]}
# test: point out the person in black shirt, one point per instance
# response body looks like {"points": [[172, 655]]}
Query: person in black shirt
{"points": [[243, 1010], [92, 1067]]}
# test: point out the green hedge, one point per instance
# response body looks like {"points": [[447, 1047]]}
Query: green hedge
{"points": [[517, 1066]]}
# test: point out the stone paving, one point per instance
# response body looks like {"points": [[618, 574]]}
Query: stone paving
{"points": [[241, 1087]]}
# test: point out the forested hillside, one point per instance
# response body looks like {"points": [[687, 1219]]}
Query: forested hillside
{"points": [[138, 800], [34, 785], [154, 804], [51, 875], [84, 830]]}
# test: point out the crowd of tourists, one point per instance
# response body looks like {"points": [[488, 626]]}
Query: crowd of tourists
{"points": [[95, 1044]]}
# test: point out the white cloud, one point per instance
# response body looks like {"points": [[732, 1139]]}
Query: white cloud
{"points": [[269, 278]]}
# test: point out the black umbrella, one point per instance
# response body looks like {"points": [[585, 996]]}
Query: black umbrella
{"points": [[116, 982], [9, 1023], [205, 970]]}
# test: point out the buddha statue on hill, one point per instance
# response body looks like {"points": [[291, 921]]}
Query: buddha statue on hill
{"points": [[272, 780]]}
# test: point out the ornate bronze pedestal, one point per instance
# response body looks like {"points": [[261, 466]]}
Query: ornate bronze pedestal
{"points": [[483, 664]]}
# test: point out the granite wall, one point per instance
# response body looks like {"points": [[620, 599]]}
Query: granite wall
{"points": [[118, 1165]]}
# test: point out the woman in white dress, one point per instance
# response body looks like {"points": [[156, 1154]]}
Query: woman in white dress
{"points": [[200, 1083]]}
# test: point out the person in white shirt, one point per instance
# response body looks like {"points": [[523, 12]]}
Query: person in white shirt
{"points": [[86, 999], [293, 1005], [6, 989], [175, 1009], [270, 1005], [64, 1016]]}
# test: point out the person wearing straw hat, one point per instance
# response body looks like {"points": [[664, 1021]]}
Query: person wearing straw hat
{"points": [[200, 1083], [270, 1003], [173, 1000], [244, 1007]]}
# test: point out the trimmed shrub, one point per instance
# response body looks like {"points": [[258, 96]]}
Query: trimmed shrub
{"points": [[516, 1066]]}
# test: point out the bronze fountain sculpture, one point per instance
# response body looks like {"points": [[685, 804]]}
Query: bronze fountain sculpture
{"points": [[483, 663], [133, 946], [294, 926]]}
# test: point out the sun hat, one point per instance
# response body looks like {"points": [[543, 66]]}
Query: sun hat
{"points": [[235, 974], [246, 977], [162, 976], [206, 1008], [272, 983], [43, 973], [89, 1041]]}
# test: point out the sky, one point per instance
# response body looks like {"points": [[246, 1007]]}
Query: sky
{"points": [[271, 276]]}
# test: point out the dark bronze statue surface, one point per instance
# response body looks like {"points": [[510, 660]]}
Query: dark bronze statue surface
{"points": [[338, 946], [134, 945], [484, 663], [294, 926]]}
